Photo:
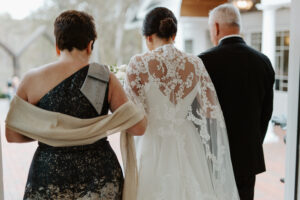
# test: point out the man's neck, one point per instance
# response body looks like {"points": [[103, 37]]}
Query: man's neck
{"points": [[228, 36]]}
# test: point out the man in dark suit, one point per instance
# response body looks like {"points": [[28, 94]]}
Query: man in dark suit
{"points": [[243, 78]]}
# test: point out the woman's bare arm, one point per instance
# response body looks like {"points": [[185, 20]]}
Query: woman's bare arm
{"points": [[116, 98], [12, 136]]}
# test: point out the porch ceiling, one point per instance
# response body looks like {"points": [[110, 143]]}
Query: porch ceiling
{"points": [[199, 8]]}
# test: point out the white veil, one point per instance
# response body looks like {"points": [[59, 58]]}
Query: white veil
{"points": [[206, 114], [177, 74]]}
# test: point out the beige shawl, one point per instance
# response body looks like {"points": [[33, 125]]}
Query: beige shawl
{"points": [[58, 130]]}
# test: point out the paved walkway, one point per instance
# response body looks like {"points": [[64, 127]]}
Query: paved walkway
{"points": [[17, 158], [268, 185]]}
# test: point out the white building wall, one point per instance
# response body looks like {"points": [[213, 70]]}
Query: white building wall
{"points": [[252, 22], [196, 29]]}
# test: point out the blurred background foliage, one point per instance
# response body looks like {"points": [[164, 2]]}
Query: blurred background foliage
{"points": [[115, 45]]}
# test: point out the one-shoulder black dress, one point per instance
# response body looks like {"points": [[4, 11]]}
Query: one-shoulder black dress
{"points": [[78, 172]]}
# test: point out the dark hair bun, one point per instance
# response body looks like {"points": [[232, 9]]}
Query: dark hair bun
{"points": [[167, 28], [160, 21]]}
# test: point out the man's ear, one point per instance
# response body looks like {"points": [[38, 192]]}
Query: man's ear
{"points": [[217, 26], [90, 46], [57, 50]]}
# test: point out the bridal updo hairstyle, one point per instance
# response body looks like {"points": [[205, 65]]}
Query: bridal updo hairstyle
{"points": [[74, 29], [160, 21]]}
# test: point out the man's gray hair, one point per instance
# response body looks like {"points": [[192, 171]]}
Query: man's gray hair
{"points": [[225, 14]]}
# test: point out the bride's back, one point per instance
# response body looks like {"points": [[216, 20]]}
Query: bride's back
{"points": [[163, 74], [184, 153], [179, 99]]}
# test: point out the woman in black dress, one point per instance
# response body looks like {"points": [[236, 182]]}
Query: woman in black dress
{"points": [[78, 172]]}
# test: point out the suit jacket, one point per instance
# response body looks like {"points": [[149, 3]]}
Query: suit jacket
{"points": [[243, 78]]}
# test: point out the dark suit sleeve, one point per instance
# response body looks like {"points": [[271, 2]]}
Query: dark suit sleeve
{"points": [[267, 107], [205, 60]]}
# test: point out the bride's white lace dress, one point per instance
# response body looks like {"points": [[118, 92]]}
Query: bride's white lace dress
{"points": [[184, 154]]}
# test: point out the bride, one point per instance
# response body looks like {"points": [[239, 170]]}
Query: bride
{"points": [[184, 154]]}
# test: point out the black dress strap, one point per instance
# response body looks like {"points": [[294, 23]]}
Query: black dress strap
{"points": [[95, 85]]}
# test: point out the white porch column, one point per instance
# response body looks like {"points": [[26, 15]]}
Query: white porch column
{"points": [[269, 33], [268, 29], [293, 110], [269, 8]]}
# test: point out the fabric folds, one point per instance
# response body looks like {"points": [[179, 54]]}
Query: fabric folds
{"points": [[59, 130]]}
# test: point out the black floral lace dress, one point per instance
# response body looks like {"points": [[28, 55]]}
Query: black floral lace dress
{"points": [[79, 172]]}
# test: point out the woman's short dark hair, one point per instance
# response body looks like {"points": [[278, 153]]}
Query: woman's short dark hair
{"points": [[161, 21], [74, 29]]}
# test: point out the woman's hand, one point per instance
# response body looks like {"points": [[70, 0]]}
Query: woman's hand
{"points": [[139, 128], [14, 137]]}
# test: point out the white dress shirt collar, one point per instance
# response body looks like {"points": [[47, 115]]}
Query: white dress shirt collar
{"points": [[229, 36]]}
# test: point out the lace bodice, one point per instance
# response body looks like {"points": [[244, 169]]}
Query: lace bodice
{"points": [[173, 72]]}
